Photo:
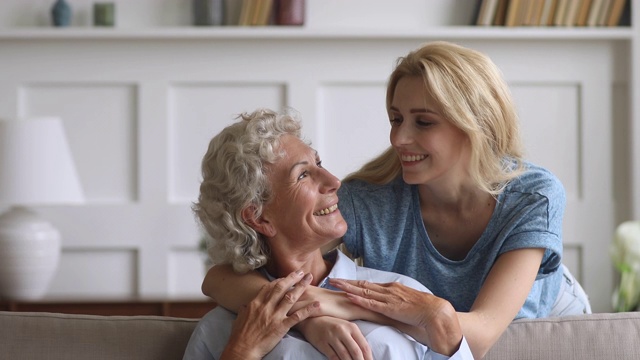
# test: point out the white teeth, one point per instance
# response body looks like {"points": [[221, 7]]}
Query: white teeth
{"points": [[413, 157], [327, 211]]}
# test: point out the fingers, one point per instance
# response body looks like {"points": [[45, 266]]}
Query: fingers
{"points": [[301, 314], [362, 288], [280, 286], [282, 294], [362, 346]]}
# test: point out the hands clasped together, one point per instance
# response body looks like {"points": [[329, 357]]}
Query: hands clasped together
{"points": [[427, 318], [262, 323]]}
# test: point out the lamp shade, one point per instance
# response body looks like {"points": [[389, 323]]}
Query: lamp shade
{"points": [[36, 166]]}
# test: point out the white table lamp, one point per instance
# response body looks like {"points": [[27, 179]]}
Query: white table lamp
{"points": [[36, 168]]}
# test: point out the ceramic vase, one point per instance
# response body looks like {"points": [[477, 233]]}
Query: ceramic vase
{"points": [[29, 254], [208, 12], [61, 13]]}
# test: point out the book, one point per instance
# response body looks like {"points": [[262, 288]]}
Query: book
{"points": [[561, 12], [514, 17], [501, 13], [232, 12], [528, 12], [487, 12], [245, 13], [592, 20], [617, 8], [476, 12], [571, 15], [536, 13], [604, 13], [625, 18], [583, 13], [266, 12], [548, 13]]}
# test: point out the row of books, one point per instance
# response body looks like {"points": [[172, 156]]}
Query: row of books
{"points": [[553, 13], [264, 12]]}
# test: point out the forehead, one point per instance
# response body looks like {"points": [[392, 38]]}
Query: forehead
{"points": [[293, 151], [411, 92]]}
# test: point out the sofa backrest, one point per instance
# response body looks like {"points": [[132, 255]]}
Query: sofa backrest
{"points": [[27, 336], [595, 336], [59, 336]]}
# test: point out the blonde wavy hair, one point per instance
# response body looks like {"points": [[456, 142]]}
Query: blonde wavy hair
{"points": [[474, 97], [234, 178]]}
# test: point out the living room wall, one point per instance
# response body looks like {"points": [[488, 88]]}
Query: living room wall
{"points": [[141, 100]]}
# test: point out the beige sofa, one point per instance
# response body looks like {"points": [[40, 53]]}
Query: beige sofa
{"points": [[27, 336]]}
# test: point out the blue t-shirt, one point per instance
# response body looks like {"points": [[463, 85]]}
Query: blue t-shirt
{"points": [[386, 229]]}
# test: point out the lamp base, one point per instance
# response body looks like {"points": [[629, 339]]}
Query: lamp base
{"points": [[29, 254]]}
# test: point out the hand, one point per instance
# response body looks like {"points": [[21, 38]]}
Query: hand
{"points": [[432, 320], [337, 304], [262, 323], [336, 338]]}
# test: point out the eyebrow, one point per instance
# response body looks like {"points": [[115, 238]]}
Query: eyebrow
{"points": [[414, 111], [304, 162]]}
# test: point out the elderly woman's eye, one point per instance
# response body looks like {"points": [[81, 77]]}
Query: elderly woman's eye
{"points": [[319, 163], [303, 175]]}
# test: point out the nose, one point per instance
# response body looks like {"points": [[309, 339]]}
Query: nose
{"points": [[329, 182], [400, 134]]}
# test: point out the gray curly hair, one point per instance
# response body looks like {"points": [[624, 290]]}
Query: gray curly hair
{"points": [[234, 178]]}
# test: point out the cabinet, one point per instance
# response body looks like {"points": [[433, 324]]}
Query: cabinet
{"points": [[186, 308], [143, 102]]}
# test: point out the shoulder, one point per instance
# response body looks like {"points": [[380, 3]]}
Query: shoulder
{"points": [[537, 180]]}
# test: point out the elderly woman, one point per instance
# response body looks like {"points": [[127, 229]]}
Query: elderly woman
{"points": [[269, 205]]}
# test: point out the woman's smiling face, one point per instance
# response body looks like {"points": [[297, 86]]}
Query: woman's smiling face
{"points": [[304, 207], [428, 145]]}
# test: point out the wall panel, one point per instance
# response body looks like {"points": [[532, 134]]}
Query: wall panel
{"points": [[101, 124]]}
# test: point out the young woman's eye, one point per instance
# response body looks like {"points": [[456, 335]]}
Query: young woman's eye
{"points": [[424, 123], [394, 120]]}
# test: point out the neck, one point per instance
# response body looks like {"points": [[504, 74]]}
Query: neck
{"points": [[456, 199], [282, 263]]}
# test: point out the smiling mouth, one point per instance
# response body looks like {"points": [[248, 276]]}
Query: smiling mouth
{"points": [[326, 211], [412, 158]]}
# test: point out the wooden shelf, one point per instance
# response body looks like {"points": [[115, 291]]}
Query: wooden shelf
{"points": [[292, 33], [185, 308]]}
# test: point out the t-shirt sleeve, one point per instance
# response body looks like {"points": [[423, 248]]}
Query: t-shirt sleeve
{"points": [[539, 224]]}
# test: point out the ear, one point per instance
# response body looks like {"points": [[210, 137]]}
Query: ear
{"points": [[259, 224]]}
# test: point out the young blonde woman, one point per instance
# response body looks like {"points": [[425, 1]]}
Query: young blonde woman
{"points": [[453, 204]]}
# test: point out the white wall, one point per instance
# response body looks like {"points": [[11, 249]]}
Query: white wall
{"points": [[140, 109]]}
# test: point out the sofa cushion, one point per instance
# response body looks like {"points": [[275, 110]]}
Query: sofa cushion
{"points": [[59, 336], [579, 337]]}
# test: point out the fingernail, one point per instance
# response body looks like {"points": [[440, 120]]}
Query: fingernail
{"points": [[307, 277], [299, 272]]}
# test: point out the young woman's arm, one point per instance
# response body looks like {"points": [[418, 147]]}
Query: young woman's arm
{"points": [[232, 290], [500, 298]]}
